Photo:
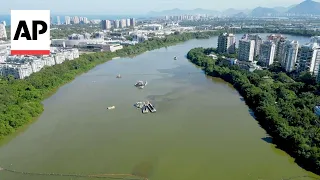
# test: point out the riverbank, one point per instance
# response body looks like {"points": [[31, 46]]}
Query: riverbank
{"points": [[282, 106], [21, 99]]}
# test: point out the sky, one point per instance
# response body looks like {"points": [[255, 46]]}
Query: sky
{"points": [[117, 7]]}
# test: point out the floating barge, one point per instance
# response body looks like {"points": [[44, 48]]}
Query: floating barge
{"points": [[145, 107], [151, 107]]}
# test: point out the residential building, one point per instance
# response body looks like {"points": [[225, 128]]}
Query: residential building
{"points": [[85, 20], [123, 23], [267, 53], [309, 58], [246, 49], [3, 33], [58, 20], [18, 71], [128, 22], [279, 41], [290, 55], [76, 20], [257, 43], [227, 43], [116, 24], [132, 22], [106, 24], [67, 20]]}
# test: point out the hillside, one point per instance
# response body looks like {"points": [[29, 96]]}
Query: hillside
{"points": [[262, 11], [177, 11], [306, 7]]}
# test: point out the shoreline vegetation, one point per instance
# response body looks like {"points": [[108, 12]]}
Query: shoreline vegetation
{"points": [[282, 105], [21, 100]]}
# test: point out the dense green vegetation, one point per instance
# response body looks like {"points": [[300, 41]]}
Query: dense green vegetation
{"points": [[283, 106], [20, 100]]}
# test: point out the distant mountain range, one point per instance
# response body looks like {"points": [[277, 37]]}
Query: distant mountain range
{"points": [[305, 7]]}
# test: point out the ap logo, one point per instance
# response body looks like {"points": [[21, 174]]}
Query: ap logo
{"points": [[30, 32]]}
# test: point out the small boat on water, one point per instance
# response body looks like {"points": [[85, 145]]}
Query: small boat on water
{"points": [[119, 76], [175, 58], [140, 83], [111, 107], [151, 108], [145, 109], [139, 105]]}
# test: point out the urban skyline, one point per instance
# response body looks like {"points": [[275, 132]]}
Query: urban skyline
{"points": [[134, 7]]}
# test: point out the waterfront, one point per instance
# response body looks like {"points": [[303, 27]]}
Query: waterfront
{"points": [[202, 128]]}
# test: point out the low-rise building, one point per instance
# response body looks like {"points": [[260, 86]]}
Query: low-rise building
{"points": [[112, 47], [18, 71]]}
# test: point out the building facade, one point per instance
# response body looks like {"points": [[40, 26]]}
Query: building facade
{"points": [[267, 53], [123, 23], [257, 43], [290, 55], [58, 20], [106, 24], [3, 32], [132, 22], [116, 24], [309, 58], [128, 23], [246, 49], [227, 43], [67, 20]]}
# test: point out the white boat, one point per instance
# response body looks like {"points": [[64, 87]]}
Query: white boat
{"points": [[175, 58], [119, 76], [111, 107]]}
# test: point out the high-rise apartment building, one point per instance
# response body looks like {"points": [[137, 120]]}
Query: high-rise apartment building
{"points": [[257, 43], [246, 49], [76, 20], [227, 43], [58, 20], [290, 55], [128, 22], [3, 33], [106, 24], [279, 41], [123, 23], [116, 24], [132, 22], [67, 20], [85, 20], [309, 58], [267, 53]]}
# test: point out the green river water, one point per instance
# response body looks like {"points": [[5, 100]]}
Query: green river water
{"points": [[202, 128]]}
